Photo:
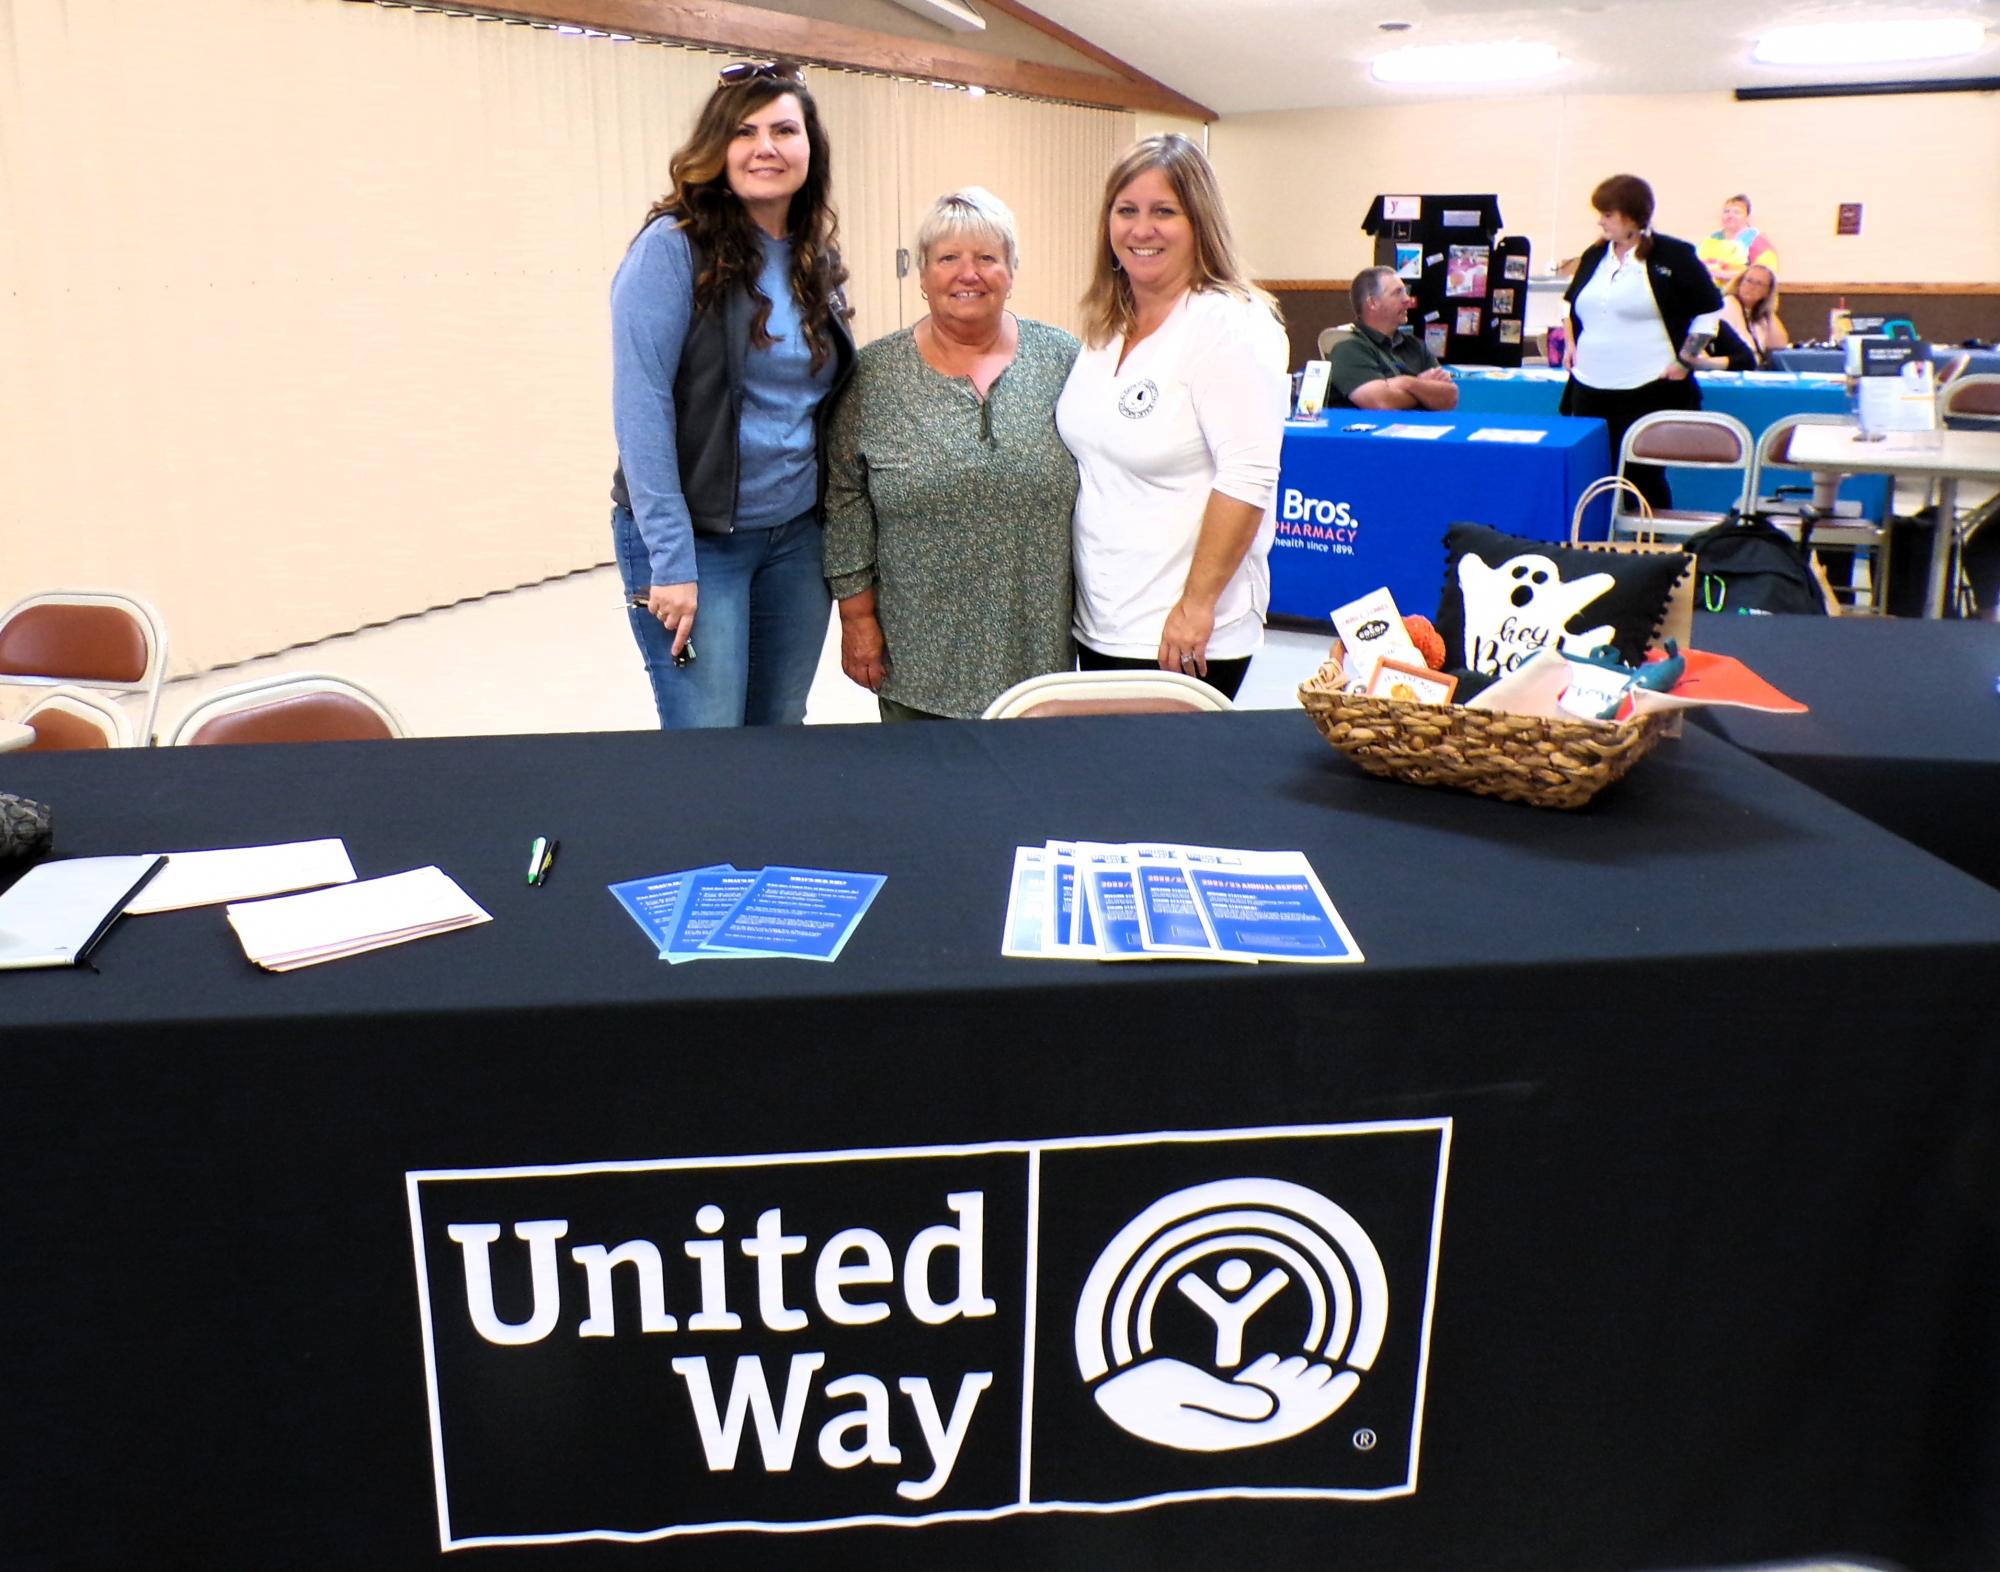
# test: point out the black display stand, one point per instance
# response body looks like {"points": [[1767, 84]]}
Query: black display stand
{"points": [[1454, 261]]}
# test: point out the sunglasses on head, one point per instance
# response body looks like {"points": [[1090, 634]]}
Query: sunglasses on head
{"points": [[750, 70]]}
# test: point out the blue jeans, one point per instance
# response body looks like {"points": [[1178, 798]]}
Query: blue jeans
{"points": [[759, 625]]}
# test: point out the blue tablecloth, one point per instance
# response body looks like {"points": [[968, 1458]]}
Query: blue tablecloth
{"points": [[1757, 398], [1984, 362], [1357, 510]]}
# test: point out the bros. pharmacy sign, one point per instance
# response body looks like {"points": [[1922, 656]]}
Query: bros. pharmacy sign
{"points": [[630, 1351]]}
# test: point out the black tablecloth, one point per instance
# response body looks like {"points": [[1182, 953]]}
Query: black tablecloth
{"points": [[1718, 1233], [1905, 722]]}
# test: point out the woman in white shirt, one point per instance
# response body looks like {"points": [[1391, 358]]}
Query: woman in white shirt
{"points": [[1641, 309], [1175, 411]]}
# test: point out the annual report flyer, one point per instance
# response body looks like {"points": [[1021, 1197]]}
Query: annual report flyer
{"points": [[1157, 901]]}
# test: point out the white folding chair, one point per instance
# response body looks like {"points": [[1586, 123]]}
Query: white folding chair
{"points": [[1682, 439], [95, 639], [1105, 693], [303, 707], [1831, 533], [67, 719], [1974, 400], [1328, 337]]}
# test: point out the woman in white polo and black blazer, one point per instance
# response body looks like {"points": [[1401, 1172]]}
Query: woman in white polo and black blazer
{"points": [[1641, 308]]}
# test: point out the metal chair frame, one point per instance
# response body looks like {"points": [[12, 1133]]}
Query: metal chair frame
{"points": [[151, 629], [1678, 523], [1831, 535], [1104, 693], [111, 722], [268, 691]]}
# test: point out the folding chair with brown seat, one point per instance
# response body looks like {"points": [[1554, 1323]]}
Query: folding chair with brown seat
{"points": [[1105, 693], [1682, 439], [95, 639], [67, 719], [1774, 446], [306, 707]]}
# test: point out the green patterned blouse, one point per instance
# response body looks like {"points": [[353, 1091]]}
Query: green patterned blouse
{"points": [[958, 512]]}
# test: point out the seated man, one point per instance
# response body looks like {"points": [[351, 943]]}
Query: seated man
{"points": [[1381, 365]]}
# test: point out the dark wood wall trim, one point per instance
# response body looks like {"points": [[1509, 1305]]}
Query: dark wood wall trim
{"points": [[1090, 51], [1945, 313], [722, 24]]}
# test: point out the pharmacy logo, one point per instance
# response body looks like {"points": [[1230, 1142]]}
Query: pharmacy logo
{"points": [[1231, 1248]]}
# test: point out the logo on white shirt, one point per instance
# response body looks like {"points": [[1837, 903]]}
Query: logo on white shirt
{"points": [[1136, 401]]}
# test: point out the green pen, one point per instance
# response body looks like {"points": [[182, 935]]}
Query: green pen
{"points": [[538, 854]]}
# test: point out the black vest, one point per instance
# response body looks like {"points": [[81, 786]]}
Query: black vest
{"points": [[708, 403]]}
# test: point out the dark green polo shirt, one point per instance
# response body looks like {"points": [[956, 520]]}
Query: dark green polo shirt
{"points": [[1365, 356]]}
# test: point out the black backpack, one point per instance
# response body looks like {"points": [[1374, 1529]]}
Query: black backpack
{"points": [[1749, 566]]}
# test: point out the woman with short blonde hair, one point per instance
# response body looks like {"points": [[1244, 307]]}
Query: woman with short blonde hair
{"points": [[949, 492]]}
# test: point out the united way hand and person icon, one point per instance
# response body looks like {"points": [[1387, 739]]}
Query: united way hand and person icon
{"points": [[1291, 1287]]}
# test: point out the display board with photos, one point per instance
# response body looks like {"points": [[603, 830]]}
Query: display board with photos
{"points": [[1448, 251]]}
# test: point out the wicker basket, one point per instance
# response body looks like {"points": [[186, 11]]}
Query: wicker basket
{"points": [[1518, 758]]}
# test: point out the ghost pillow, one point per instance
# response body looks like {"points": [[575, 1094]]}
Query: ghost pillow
{"points": [[1506, 598]]}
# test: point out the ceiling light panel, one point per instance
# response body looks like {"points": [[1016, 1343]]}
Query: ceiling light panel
{"points": [[1463, 64], [1871, 43]]}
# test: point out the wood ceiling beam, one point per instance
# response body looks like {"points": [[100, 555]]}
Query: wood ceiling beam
{"points": [[723, 24]]}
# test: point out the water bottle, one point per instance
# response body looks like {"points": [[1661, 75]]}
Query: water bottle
{"points": [[1554, 340]]}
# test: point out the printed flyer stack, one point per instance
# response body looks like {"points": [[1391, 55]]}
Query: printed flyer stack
{"points": [[724, 912], [1140, 901]]}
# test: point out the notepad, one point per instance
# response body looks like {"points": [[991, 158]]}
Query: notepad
{"points": [[57, 910], [242, 873], [291, 931]]}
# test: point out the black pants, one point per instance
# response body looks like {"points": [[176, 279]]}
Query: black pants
{"points": [[1620, 409], [1225, 676]]}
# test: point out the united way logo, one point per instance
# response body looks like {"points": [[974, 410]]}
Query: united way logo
{"points": [[1287, 1281], [1138, 399], [638, 1350]]}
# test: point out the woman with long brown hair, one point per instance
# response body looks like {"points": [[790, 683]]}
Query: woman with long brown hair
{"points": [[1175, 411], [729, 339]]}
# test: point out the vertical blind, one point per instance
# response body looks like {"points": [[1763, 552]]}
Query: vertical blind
{"points": [[303, 317]]}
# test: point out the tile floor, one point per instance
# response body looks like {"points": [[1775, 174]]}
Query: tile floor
{"points": [[557, 656]]}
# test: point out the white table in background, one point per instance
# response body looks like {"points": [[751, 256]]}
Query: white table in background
{"points": [[1946, 457]]}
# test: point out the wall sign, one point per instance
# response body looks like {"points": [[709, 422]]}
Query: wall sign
{"points": [[633, 1351], [1849, 220]]}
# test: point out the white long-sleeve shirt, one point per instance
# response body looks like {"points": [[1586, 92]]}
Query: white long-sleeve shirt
{"points": [[1198, 406]]}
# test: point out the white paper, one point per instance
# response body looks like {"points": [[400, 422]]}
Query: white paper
{"points": [[1505, 434], [303, 930], [57, 908], [242, 873], [1418, 433]]}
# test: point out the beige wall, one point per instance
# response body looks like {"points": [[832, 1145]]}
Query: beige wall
{"points": [[303, 304], [1926, 167]]}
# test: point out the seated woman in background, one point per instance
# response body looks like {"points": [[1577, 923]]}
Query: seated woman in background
{"points": [[1750, 329], [949, 497], [1175, 412]]}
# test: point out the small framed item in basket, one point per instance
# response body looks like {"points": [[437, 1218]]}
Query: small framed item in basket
{"points": [[1398, 679]]}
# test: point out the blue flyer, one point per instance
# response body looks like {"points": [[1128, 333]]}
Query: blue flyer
{"points": [[651, 902], [707, 898], [808, 913], [1169, 912], [1271, 907]]}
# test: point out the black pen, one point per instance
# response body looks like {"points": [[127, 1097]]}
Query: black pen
{"points": [[548, 862]]}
